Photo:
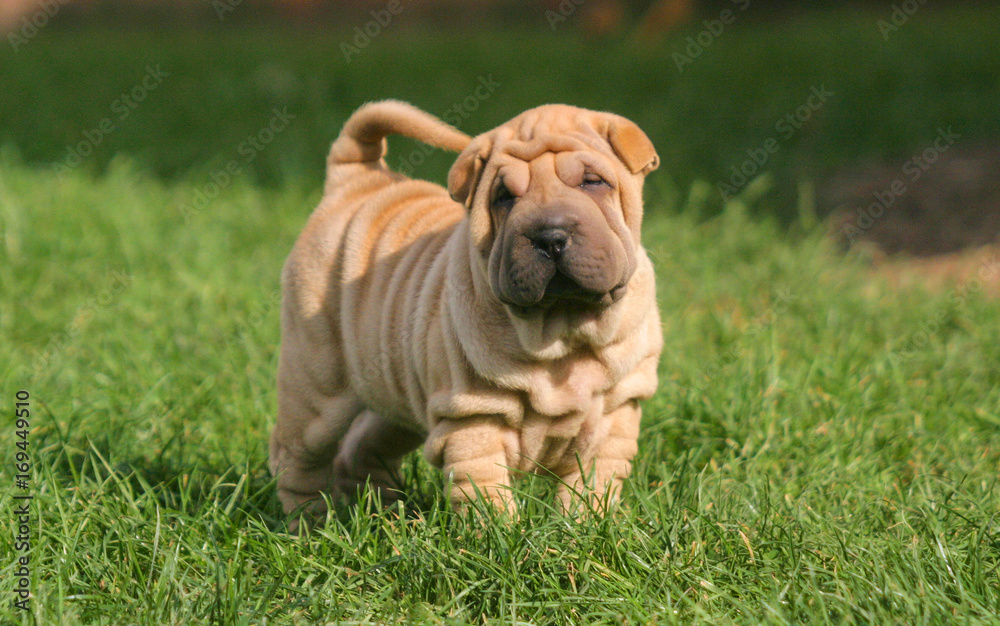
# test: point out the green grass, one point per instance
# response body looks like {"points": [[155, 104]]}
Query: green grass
{"points": [[800, 463]]}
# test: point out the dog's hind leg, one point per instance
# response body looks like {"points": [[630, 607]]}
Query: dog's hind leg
{"points": [[373, 451], [304, 443]]}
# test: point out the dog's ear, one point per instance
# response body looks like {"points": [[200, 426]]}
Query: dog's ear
{"points": [[632, 146], [464, 174]]}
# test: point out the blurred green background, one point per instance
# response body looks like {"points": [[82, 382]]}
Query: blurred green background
{"points": [[228, 65]]}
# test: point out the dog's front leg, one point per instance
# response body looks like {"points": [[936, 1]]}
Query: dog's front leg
{"points": [[476, 453], [599, 476]]}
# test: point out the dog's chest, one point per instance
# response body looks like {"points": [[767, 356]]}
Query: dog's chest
{"points": [[564, 404], [564, 387]]}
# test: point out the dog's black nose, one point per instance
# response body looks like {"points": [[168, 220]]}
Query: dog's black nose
{"points": [[551, 242]]}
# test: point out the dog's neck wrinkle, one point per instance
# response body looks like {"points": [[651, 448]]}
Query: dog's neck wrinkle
{"points": [[565, 382], [560, 331]]}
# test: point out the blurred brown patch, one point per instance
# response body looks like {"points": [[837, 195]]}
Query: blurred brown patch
{"points": [[979, 268], [932, 220], [918, 207], [663, 17], [602, 18]]}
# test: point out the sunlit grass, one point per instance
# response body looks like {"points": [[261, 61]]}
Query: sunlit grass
{"points": [[800, 463]]}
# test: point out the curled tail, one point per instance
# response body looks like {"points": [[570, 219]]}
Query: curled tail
{"points": [[362, 139]]}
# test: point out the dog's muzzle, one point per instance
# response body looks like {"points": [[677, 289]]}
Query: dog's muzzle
{"points": [[555, 260]]}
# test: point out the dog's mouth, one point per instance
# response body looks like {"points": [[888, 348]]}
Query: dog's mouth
{"points": [[552, 266], [562, 290]]}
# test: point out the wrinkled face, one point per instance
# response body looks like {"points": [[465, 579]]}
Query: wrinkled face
{"points": [[554, 209], [559, 232]]}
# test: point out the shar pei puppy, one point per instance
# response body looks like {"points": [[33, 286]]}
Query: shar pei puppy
{"points": [[508, 323]]}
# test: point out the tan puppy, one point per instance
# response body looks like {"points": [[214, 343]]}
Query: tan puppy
{"points": [[511, 325]]}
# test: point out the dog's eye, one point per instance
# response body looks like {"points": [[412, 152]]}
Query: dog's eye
{"points": [[502, 197], [592, 181]]}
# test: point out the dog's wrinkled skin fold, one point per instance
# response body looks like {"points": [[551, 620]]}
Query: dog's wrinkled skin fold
{"points": [[509, 323]]}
